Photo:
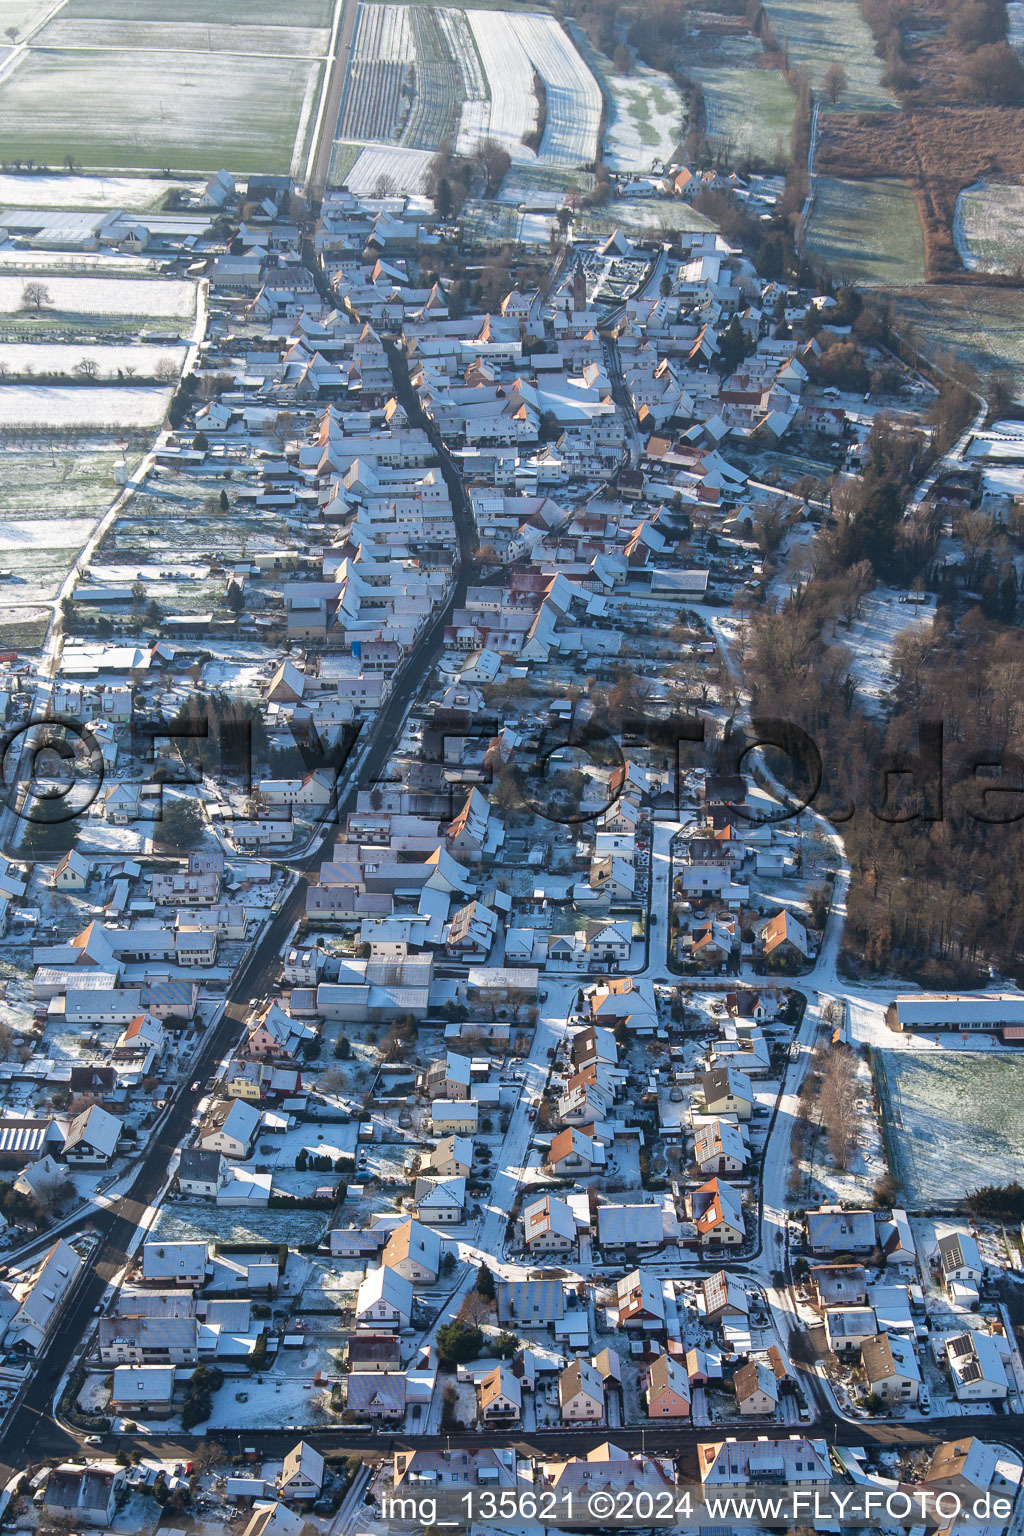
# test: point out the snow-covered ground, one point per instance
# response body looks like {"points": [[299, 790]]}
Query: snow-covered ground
{"points": [[956, 1120], [104, 296], [131, 192], [20, 357], [80, 405], [871, 639], [403, 170]]}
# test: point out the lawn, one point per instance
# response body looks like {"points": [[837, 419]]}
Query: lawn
{"points": [[989, 227], [868, 232], [749, 109], [955, 1120], [153, 109], [823, 32]]}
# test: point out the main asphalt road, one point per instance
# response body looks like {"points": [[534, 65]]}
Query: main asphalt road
{"points": [[32, 1431]]}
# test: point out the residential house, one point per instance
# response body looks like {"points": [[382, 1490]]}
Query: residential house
{"points": [[783, 941], [500, 1396], [302, 1475], [736, 1464], [230, 1127], [413, 1250], [890, 1368], [717, 1212], [838, 1285], [580, 1393], [86, 1495], [757, 1391], [573, 1154], [180, 1263], [384, 1300], [548, 1226], [727, 1092], [719, 1146], [640, 1301], [143, 1391], [42, 1300], [668, 1389], [440, 1201], [830, 1229], [960, 1261], [451, 1158], [92, 1138], [976, 1364]]}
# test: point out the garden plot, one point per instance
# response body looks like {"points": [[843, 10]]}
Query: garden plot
{"points": [[153, 108], [989, 226], [67, 296], [81, 406], [380, 167], [867, 232], [748, 108], [379, 87], [823, 32], [955, 1120], [572, 94]]}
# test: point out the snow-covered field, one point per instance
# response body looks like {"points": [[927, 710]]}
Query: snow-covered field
{"points": [[989, 225], [62, 357], [955, 1120], [871, 638], [104, 296], [404, 170], [135, 193], [75, 406], [512, 48], [643, 124], [572, 93], [513, 105]]}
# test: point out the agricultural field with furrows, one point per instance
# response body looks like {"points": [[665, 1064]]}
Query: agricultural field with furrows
{"points": [[818, 33], [380, 85], [989, 227], [419, 75], [649, 216], [955, 1120], [573, 97], [748, 107], [513, 106], [867, 232], [436, 110], [514, 48], [119, 83]]}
